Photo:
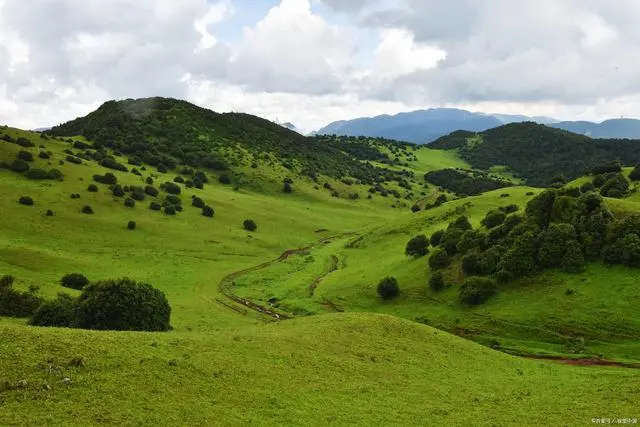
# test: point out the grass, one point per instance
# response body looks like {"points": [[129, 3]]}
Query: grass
{"points": [[347, 369], [218, 367]]}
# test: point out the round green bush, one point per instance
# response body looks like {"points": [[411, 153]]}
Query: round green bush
{"points": [[131, 225], [439, 259], [74, 281], [493, 218], [471, 264], [151, 191], [44, 155], [155, 206], [171, 188], [249, 225], [436, 238], [49, 212], [37, 174], [388, 288], [208, 211], [149, 181], [26, 200], [129, 202], [169, 210], [55, 174], [19, 166], [197, 202], [27, 156], [173, 200], [224, 179], [476, 290], [92, 188], [118, 191], [87, 210], [178, 179], [437, 282], [60, 312], [417, 246], [123, 305]]}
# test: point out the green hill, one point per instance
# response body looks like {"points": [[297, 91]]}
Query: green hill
{"points": [[538, 153]]}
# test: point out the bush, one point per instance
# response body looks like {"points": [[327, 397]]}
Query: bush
{"points": [[151, 191], [169, 210], [55, 174], [635, 174], [208, 211], [388, 288], [178, 179], [24, 142], [26, 200], [469, 240], [616, 187], [471, 264], [26, 156], [437, 282], [417, 246], [131, 225], [129, 202], [587, 187], [573, 259], [49, 212], [171, 188], [92, 188], [540, 207], [138, 194], [287, 188], [108, 179], [554, 242], [14, 303], [37, 174], [155, 206], [149, 181], [224, 179], [111, 163], [6, 281], [73, 159], [123, 305], [436, 238], [509, 209], [451, 239], [460, 223], [476, 290], [118, 191], [197, 202], [60, 312], [439, 259], [494, 218], [19, 166], [87, 210], [520, 259], [74, 281], [249, 225]]}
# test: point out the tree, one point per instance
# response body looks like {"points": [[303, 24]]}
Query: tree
{"points": [[460, 223], [493, 218], [635, 173], [388, 288], [469, 240], [554, 242], [131, 225], [224, 179], [437, 282], [249, 225], [208, 211], [417, 246], [439, 259], [26, 200], [171, 188], [74, 281], [287, 188], [520, 259], [27, 156], [476, 290], [573, 259], [60, 312], [540, 207], [471, 264], [436, 238], [123, 305]]}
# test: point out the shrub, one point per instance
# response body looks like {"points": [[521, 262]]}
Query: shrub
{"points": [[129, 202], [178, 179], [131, 225], [169, 210], [476, 290], [508, 209], [26, 156], [87, 210], [37, 174], [26, 200], [224, 179], [520, 259], [24, 142], [92, 188], [439, 259], [73, 159], [138, 194], [414, 208], [178, 208], [554, 242], [471, 264], [437, 282], [151, 191], [49, 212], [55, 174], [6, 281], [460, 223], [494, 218], [74, 281], [490, 259], [44, 155], [149, 181], [118, 191], [249, 225], [171, 188], [469, 240], [111, 163], [19, 166], [388, 288], [108, 179], [451, 239], [60, 312], [75, 196], [287, 188], [540, 207], [123, 305], [197, 202], [616, 187], [208, 211], [417, 246], [573, 259], [436, 238], [155, 206], [587, 187], [14, 303], [635, 174]]}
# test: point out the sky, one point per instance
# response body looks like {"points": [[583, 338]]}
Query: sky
{"points": [[311, 62]]}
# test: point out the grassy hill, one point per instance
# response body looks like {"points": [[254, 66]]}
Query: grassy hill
{"points": [[356, 369], [221, 364], [538, 153]]}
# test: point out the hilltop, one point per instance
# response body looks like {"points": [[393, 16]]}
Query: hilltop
{"points": [[537, 153]]}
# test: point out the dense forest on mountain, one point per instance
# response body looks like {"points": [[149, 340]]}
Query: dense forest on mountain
{"points": [[465, 182], [537, 153]]}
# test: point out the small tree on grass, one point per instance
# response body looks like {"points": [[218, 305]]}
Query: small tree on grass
{"points": [[477, 290], [388, 288], [131, 225], [249, 225], [74, 281], [439, 259], [60, 312], [26, 200], [287, 187], [437, 282], [208, 211], [417, 247], [87, 210], [123, 305]]}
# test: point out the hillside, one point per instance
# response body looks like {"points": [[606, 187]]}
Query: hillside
{"points": [[538, 153], [167, 132], [356, 369], [614, 128]]}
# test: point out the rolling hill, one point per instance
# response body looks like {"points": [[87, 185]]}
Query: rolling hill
{"points": [[614, 128]]}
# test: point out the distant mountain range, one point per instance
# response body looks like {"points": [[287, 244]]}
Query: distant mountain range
{"points": [[425, 126]]}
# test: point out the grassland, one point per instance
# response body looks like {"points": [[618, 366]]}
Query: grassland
{"points": [[221, 368]]}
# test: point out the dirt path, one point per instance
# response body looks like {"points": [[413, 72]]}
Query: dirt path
{"points": [[234, 301], [332, 267], [582, 362]]}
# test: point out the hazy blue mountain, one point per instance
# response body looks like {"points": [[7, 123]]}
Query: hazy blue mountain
{"points": [[614, 128]]}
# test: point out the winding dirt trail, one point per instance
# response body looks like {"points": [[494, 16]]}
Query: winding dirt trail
{"points": [[332, 267], [243, 305]]}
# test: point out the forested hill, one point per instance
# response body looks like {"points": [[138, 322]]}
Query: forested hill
{"points": [[164, 131], [538, 153]]}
